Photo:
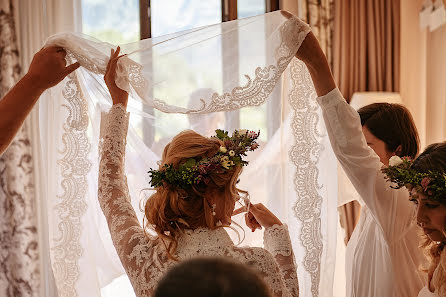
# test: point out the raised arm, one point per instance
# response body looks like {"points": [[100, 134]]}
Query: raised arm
{"points": [[360, 162], [133, 247], [19, 101], [314, 58]]}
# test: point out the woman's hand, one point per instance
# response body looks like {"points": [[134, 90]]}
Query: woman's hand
{"points": [[310, 52], [258, 216], [51, 58], [118, 95]]}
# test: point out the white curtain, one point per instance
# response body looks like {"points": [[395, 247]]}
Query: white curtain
{"points": [[185, 80], [35, 21]]}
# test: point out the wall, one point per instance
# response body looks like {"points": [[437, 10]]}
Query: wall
{"points": [[423, 73], [436, 86]]}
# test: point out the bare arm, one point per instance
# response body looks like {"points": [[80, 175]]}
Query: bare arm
{"points": [[47, 69]]}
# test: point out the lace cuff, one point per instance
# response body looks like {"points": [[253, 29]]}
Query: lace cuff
{"points": [[113, 133], [115, 122], [276, 240]]}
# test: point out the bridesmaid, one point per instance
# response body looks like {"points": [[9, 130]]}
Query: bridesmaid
{"points": [[383, 257]]}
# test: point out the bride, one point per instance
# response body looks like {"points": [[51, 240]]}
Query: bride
{"points": [[195, 197]]}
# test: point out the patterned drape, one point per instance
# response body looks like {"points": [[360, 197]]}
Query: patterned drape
{"points": [[319, 14], [19, 254]]}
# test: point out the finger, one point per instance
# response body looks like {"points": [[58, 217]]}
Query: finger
{"points": [[72, 67], [255, 209], [249, 223], [112, 70], [239, 210], [54, 48], [108, 63], [116, 59], [286, 14], [62, 53], [252, 223], [255, 224], [115, 53]]}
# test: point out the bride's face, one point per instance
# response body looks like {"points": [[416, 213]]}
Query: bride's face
{"points": [[431, 216]]}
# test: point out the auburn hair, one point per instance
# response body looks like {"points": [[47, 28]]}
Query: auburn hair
{"points": [[171, 210], [393, 124]]}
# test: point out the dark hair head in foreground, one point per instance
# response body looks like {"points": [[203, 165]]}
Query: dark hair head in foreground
{"points": [[211, 277]]}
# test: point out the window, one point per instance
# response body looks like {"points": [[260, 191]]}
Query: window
{"points": [[178, 15], [113, 21]]}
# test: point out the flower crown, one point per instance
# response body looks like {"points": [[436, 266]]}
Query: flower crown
{"points": [[196, 171], [400, 172]]}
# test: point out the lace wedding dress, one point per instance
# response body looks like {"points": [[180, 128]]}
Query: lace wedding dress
{"points": [[145, 260], [254, 83]]}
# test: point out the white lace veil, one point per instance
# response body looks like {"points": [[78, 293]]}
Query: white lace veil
{"points": [[238, 74]]}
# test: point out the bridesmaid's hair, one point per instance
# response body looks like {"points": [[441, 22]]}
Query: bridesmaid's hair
{"points": [[171, 210], [212, 277], [393, 124], [433, 158]]}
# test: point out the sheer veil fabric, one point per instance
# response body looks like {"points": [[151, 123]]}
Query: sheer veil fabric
{"points": [[238, 74]]}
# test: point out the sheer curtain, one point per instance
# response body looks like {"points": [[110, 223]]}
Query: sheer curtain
{"points": [[292, 173], [35, 21]]}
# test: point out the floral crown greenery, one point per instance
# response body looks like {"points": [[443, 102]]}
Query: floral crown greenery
{"points": [[197, 171], [400, 172]]}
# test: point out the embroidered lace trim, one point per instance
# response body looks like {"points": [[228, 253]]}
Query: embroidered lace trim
{"points": [[66, 247], [305, 155]]}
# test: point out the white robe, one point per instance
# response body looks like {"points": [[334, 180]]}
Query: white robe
{"points": [[426, 293], [382, 257]]}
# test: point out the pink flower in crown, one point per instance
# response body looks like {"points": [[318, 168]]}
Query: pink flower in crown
{"points": [[254, 146], [252, 134], [425, 183], [202, 169]]}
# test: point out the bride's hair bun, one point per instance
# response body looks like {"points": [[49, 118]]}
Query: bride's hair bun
{"points": [[170, 210]]}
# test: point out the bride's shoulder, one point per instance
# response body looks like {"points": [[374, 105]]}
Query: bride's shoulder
{"points": [[256, 254]]}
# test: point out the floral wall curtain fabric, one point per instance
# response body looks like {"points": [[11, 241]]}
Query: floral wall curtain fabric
{"points": [[319, 14], [19, 257]]}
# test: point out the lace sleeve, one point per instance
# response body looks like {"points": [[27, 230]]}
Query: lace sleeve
{"points": [[277, 241], [134, 249]]}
